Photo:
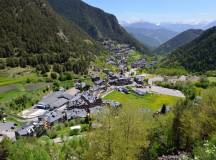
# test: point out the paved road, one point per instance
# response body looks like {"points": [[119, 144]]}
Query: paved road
{"points": [[164, 91]]}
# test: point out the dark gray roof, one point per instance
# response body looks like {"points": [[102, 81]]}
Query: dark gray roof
{"points": [[56, 99], [51, 99], [88, 98], [95, 109], [99, 82], [52, 117], [25, 130], [60, 102], [66, 96], [77, 101], [76, 113], [140, 92]]}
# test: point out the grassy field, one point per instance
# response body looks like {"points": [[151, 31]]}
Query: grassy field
{"points": [[212, 79], [15, 90], [7, 81], [149, 101], [16, 82], [17, 75]]}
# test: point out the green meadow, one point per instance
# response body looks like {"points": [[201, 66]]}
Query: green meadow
{"points": [[148, 101]]}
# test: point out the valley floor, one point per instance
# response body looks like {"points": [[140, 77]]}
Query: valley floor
{"points": [[149, 102]]}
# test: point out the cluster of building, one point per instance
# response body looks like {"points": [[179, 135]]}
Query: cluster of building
{"points": [[120, 53], [57, 107], [142, 64], [120, 56], [77, 102], [118, 79]]}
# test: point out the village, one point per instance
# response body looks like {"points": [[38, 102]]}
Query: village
{"points": [[82, 100]]}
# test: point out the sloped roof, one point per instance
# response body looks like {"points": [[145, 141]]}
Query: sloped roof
{"points": [[8, 126]]}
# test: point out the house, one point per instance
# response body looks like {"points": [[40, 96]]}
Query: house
{"points": [[139, 92], [139, 86], [81, 86], [96, 90], [52, 118], [112, 76], [31, 129], [95, 78], [7, 129], [139, 64], [75, 113], [119, 80], [90, 99], [76, 102], [57, 100], [72, 92], [54, 100], [87, 99], [124, 81], [123, 90], [139, 79], [99, 82]]}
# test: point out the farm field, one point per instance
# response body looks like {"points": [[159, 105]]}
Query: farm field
{"points": [[17, 75], [10, 92], [15, 82], [149, 101]]}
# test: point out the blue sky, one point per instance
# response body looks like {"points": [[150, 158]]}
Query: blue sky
{"points": [[159, 10]]}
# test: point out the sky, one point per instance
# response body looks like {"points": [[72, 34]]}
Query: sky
{"points": [[157, 11]]}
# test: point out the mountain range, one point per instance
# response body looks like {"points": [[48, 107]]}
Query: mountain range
{"points": [[154, 35], [176, 27], [179, 41]]}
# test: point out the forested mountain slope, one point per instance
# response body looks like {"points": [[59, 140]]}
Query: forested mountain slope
{"points": [[33, 34], [179, 40], [97, 23], [199, 55]]}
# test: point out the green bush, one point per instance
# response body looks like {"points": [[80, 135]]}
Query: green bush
{"points": [[74, 132], [56, 86], [28, 80], [52, 134], [85, 127], [65, 76], [54, 75], [203, 83]]}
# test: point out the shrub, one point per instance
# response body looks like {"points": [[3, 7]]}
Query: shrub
{"points": [[203, 83], [54, 75], [74, 132], [28, 80], [85, 127], [52, 134]]}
